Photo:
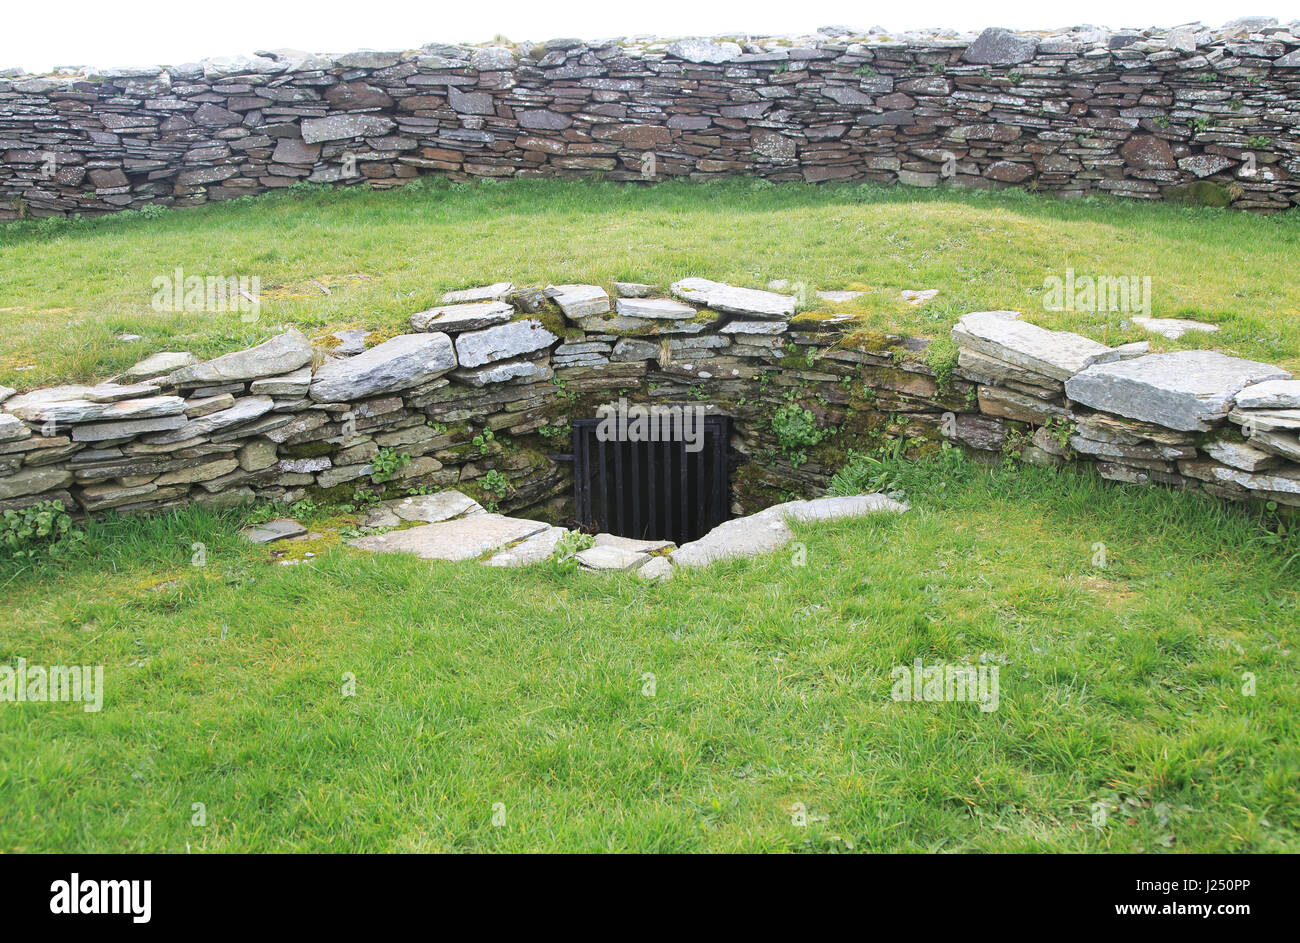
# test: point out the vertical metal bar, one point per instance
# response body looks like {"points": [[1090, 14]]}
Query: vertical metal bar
{"points": [[652, 529], [616, 518], [603, 523], [701, 492], [579, 468], [684, 496], [638, 455]]}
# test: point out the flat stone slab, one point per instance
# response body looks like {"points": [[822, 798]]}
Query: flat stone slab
{"points": [[406, 361], [534, 549], [738, 537], [475, 348], [1173, 328], [1055, 354], [463, 317], [464, 538], [610, 558], [494, 292], [835, 508], [654, 308], [657, 569], [160, 364], [433, 508], [245, 409], [293, 384], [579, 301], [12, 428], [69, 412], [1241, 455], [272, 531], [730, 299], [1274, 394], [503, 370], [281, 354], [33, 481], [917, 297], [1188, 390], [631, 543], [768, 529], [743, 326], [1267, 420]]}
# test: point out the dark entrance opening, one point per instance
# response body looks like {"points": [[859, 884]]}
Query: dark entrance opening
{"points": [[652, 490]]}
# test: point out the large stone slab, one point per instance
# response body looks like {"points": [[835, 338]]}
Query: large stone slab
{"points": [[475, 348], [739, 537], [33, 481], [245, 409], [535, 549], [12, 428], [404, 362], [106, 431], [339, 127], [656, 308], [454, 318], [1055, 354], [1274, 394], [281, 354], [462, 539], [750, 302], [610, 558], [997, 46], [272, 531], [433, 508], [579, 301], [70, 412], [1189, 390], [835, 508], [160, 364], [503, 370]]}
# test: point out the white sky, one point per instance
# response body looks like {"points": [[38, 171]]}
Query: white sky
{"points": [[38, 36]]}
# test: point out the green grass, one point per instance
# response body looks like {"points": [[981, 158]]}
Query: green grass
{"points": [[68, 288], [1121, 685]]}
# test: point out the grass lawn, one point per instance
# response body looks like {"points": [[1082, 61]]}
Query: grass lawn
{"points": [[67, 289], [1120, 685]]}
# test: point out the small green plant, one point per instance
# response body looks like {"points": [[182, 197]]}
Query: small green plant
{"points": [[484, 441], [1259, 142], [556, 434], [1207, 77], [1161, 121], [439, 428], [35, 530], [387, 464], [1061, 430], [1015, 78], [941, 355], [1200, 125], [567, 548], [496, 484], [864, 70], [796, 430]]}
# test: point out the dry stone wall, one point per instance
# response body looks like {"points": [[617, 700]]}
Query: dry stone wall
{"points": [[480, 395], [1189, 113]]}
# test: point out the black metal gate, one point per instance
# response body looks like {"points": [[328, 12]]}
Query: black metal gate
{"points": [[652, 490]]}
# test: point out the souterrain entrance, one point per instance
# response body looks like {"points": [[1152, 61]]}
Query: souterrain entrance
{"points": [[650, 486]]}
